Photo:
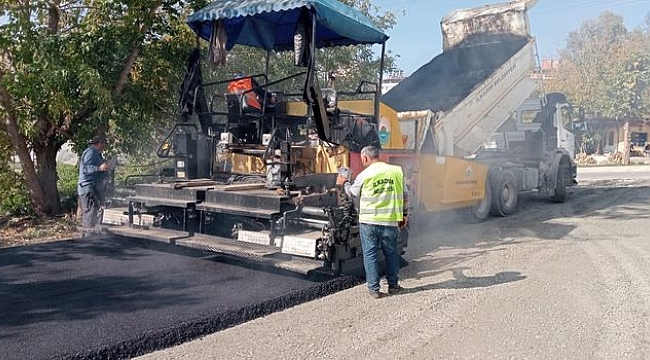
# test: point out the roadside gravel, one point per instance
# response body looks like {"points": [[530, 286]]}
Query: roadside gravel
{"points": [[552, 281]]}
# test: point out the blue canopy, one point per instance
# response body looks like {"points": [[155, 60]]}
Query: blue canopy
{"points": [[270, 24]]}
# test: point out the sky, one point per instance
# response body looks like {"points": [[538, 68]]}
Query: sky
{"points": [[417, 37]]}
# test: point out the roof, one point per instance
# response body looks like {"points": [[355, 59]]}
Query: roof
{"points": [[270, 24]]}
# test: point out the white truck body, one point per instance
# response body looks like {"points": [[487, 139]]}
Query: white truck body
{"points": [[486, 108]]}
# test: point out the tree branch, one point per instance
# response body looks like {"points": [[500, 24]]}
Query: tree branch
{"points": [[19, 142], [82, 114], [5, 98], [133, 54], [55, 16], [78, 7]]}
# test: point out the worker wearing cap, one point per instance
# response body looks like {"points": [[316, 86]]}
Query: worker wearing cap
{"points": [[380, 190], [90, 187]]}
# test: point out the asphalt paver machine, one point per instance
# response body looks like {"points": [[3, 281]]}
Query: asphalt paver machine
{"points": [[258, 183]]}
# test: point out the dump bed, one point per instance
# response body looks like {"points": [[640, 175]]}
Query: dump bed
{"points": [[483, 74], [451, 76], [468, 26]]}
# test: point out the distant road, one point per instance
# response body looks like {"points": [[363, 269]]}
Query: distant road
{"points": [[614, 172]]}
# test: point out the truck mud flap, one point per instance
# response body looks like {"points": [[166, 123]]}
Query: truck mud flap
{"points": [[237, 250]]}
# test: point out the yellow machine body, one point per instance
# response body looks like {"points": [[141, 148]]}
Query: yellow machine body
{"points": [[445, 182], [438, 182]]}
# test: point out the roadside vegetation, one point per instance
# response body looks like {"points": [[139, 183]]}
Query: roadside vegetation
{"points": [[72, 69], [605, 72]]}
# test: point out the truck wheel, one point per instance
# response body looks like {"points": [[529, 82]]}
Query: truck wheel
{"points": [[559, 194], [481, 211], [504, 194]]}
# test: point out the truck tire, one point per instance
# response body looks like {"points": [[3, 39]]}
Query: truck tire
{"points": [[559, 195], [504, 194], [481, 211]]}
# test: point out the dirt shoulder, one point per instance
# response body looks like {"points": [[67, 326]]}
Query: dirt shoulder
{"points": [[30, 231]]}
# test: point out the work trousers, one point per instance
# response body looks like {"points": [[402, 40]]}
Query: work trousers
{"points": [[374, 238], [92, 202]]}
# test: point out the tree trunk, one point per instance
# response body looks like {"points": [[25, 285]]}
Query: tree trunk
{"points": [[627, 143], [36, 194], [79, 213], [47, 175], [617, 145]]}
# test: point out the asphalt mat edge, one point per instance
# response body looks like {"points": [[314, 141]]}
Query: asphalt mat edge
{"points": [[191, 330]]}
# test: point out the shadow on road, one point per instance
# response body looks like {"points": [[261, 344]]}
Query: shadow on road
{"points": [[83, 298], [462, 281]]}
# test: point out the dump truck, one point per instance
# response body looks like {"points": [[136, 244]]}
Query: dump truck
{"points": [[482, 99]]}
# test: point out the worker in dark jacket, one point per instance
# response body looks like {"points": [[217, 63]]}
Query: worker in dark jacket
{"points": [[90, 187]]}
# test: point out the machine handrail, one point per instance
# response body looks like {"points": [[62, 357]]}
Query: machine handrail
{"points": [[161, 153]]}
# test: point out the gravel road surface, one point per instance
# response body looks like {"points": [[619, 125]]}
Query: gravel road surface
{"points": [[553, 281]]}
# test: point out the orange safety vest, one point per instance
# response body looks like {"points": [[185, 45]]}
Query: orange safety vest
{"points": [[239, 86]]}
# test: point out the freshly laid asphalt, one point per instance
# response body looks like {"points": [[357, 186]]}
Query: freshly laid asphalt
{"points": [[115, 298]]}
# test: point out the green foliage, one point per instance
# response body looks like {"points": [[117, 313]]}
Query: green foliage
{"points": [[14, 200], [67, 185], [588, 142], [71, 69], [137, 170], [605, 69], [626, 95], [349, 65]]}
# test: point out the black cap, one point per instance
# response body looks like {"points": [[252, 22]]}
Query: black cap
{"points": [[98, 139]]}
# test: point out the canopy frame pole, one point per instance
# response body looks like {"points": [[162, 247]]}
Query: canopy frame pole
{"points": [[266, 65], [311, 70], [312, 45], [266, 78], [381, 79]]}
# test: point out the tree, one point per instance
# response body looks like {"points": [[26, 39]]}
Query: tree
{"points": [[351, 65], [628, 93], [605, 70], [591, 51], [72, 68]]}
